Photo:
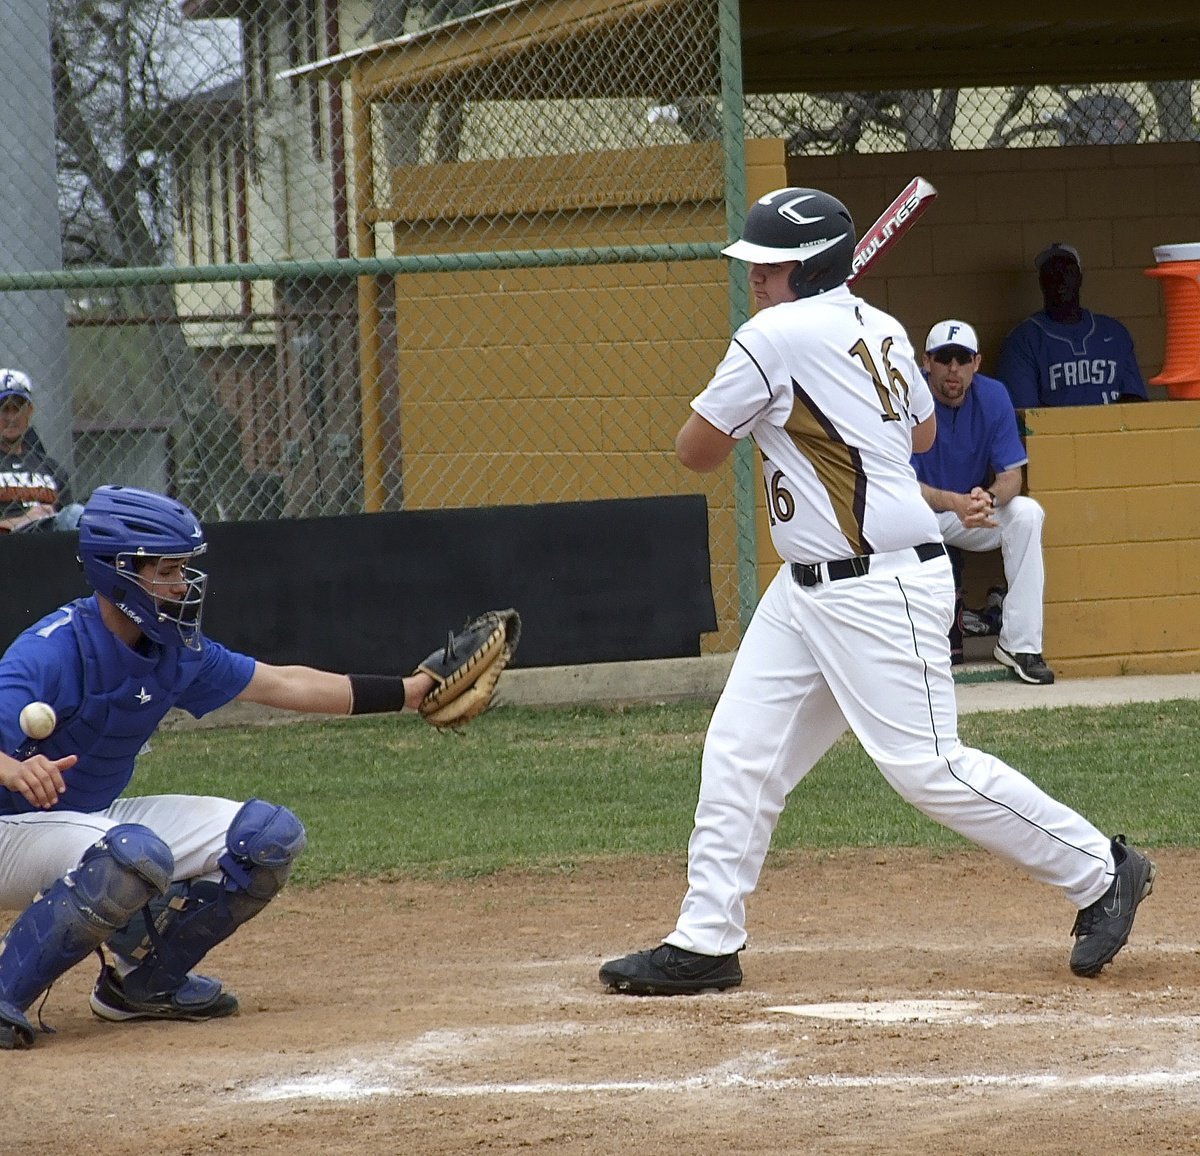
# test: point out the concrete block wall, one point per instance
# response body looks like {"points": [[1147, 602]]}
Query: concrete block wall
{"points": [[1119, 483], [1121, 489], [970, 256]]}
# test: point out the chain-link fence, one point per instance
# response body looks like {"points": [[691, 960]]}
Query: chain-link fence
{"points": [[542, 187], [239, 134]]}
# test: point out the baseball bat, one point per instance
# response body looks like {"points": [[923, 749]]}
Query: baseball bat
{"points": [[893, 223]]}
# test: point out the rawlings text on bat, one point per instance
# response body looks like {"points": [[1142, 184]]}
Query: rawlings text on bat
{"points": [[892, 224]]}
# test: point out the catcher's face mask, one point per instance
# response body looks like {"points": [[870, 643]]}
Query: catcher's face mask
{"points": [[171, 591]]}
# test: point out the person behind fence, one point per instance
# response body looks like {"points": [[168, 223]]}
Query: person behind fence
{"points": [[1065, 354], [159, 879], [34, 489], [852, 629], [977, 457]]}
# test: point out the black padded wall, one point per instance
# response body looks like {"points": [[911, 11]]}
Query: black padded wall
{"points": [[594, 582]]}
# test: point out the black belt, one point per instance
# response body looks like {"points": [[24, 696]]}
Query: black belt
{"points": [[806, 575]]}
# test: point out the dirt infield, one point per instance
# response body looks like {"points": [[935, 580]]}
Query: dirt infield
{"points": [[927, 1008]]}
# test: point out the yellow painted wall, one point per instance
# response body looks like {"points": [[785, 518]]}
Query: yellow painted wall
{"points": [[536, 363], [1120, 484], [971, 255], [1121, 489]]}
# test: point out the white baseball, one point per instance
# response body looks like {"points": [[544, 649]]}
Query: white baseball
{"points": [[38, 720]]}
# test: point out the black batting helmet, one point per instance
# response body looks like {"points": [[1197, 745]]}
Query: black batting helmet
{"points": [[804, 225]]}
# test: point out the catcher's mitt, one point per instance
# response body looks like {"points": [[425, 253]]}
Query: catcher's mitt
{"points": [[468, 667]]}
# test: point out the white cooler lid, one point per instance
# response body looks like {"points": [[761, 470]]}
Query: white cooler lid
{"points": [[1177, 252]]}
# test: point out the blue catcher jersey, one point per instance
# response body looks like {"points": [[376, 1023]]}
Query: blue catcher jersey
{"points": [[108, 698], [1092, 362]]}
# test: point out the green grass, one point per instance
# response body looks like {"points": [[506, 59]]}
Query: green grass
{"points": [[543, 788]]}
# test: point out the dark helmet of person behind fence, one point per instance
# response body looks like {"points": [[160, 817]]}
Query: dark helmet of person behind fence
{"points": [[804, 225], [122, 526]]}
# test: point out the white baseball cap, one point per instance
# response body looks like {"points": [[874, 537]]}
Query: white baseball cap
{"points": [[1057, 249], [952, 333], [14, 383]]}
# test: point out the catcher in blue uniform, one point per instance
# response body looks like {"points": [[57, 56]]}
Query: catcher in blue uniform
{"points": [[160, 880]]}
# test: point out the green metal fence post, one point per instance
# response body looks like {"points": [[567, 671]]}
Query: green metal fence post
{"points": [[733, 131]]}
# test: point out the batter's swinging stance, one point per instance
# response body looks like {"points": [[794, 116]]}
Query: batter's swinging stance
{"points": [[853, 629]]}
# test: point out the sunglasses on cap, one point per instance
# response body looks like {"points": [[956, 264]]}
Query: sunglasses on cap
{"points": [[949, 353]]}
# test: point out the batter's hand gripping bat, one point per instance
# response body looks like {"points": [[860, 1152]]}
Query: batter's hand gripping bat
{"points": [[892, 224]]}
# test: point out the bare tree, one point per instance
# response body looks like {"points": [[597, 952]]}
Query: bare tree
{"points": [[115, 67], [1093, 115], [404, 122], [1173, 104], [836, 122]]}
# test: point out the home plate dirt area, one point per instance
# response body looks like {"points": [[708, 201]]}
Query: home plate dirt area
{"points": [[894, 1002]]}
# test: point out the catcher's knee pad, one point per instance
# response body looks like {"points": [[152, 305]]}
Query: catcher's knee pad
{"points": [[119, 872], [115, 878], [263, 840], [175, 932]]}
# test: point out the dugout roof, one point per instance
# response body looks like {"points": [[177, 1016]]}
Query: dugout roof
{"points": [[788, 46]]}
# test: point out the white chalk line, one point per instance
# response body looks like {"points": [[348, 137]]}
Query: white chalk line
{"points": [[971, 1013], [345, 1087], [408, 1073]]}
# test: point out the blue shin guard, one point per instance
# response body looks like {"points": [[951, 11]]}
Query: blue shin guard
{"points": [[172, 937], [115, 878]]}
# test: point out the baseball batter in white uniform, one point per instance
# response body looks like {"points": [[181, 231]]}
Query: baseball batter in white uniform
{"points": [[852, 631]]}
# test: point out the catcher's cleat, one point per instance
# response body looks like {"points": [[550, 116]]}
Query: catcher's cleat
{"points": [[1102, 928], [1027, 667], [199, 997], [16, 1032], [669, 970]]}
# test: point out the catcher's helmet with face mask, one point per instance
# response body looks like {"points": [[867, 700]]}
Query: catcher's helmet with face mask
{"points": [[122, 527], [804, 225]]}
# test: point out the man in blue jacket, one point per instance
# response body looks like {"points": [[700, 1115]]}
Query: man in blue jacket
{"points": [[971, 478]]}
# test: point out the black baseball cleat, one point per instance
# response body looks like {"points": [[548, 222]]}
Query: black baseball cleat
{"points": [[1027, 667], [1103, 928], [199, 997], [669, 970]]}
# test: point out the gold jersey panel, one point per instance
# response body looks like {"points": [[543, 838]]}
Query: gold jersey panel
{"points": [[829, 389]]}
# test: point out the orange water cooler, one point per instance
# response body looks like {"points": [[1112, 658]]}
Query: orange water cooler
{"points": [[1178, 270]]}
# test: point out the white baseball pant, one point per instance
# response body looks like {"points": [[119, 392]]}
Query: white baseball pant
{"points": [[1018, 534], [39, 847], [871, 652]]}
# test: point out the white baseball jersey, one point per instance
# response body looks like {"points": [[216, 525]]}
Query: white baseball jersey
{"points": [[830, 390]]}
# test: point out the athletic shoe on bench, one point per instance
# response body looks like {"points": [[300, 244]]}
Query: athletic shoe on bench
{"points": [[669, 970], [199, 997], [1102, 928], [1027, 667]]}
